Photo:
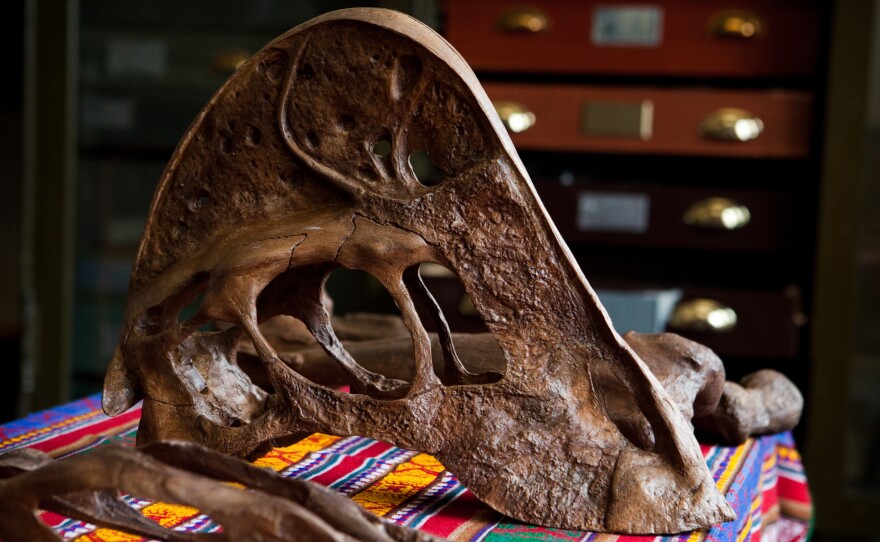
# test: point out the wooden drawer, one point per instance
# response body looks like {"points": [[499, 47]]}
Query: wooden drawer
{"points": [[664, 216], [672, 121], [735, 323], [226, 15], [142, 90], [668, 38], [768, 323], [143, 62]]}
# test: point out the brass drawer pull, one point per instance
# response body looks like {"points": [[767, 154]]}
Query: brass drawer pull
{"points": [[731, 124], [524, 20], [229, 60], [515, 116], [717, 214], [703, 316], [736, 25]]}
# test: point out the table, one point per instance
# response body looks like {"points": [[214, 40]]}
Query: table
{"points": [[763, 480]]}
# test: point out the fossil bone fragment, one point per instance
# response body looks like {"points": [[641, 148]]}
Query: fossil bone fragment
{"points": [[763, 402], [392, 357], [280, 180], [693, 376], [87, 487]]}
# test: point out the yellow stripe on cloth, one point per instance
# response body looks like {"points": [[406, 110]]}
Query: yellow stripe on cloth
{"points": [[747, 528], [166, 515], [402, 483], [699, 534], [769, 464], [172, 515], [281, 458], [50, 428], [790, 454], [108, 535], [733, 465]]}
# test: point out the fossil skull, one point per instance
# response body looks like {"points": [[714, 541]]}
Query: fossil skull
{"points": [[278, 182]]}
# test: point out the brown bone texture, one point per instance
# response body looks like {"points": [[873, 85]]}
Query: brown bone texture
{"points": [[272, 508], [279, 181], [693, 376], [762, 403]]}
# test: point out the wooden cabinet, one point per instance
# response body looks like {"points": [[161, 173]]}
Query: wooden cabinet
{"points": [[144, 73], [767, 323], [670, 38], [674, 144]]}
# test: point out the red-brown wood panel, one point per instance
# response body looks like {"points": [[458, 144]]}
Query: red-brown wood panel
{"points": [[676, 118], [785, 45]]}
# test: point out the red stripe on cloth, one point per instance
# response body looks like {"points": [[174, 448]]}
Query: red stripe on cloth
{"points": [[794, 490], [51, 518], [454, 515], [770, 499], [346, 466], [65, 439], [373, 450], [633, 538]]}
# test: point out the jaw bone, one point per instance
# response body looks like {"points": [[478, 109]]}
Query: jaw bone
{"points": [[87, 487], [277, 183]]}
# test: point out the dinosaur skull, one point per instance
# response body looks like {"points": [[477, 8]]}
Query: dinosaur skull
{"points": [[277, 183]]}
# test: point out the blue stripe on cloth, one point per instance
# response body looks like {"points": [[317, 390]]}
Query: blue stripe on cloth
{"points": [[50, 423], [369, 471], [745, 488], [52, 416], [426, 504]]}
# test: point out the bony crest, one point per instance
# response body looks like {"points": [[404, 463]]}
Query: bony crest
{"points": [[281, 180]]}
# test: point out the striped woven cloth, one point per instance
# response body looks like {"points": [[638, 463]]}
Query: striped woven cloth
{"points": [[763, 480]]}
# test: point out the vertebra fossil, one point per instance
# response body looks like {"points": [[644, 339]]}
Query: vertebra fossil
{"points": [[280, 180]]}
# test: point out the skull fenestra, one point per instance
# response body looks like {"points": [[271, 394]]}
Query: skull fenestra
{"points": [[279, 181]]}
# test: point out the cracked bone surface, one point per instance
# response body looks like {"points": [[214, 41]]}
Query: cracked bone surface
{"points": [[87, 487], [276, 184]]}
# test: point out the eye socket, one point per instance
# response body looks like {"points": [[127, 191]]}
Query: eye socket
{"points": [[443, 302], [382, 148], [425, 170]]}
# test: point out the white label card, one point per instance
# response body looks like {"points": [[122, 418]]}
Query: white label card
{"points": [[627, 26], [137, 56], [613, 212]]}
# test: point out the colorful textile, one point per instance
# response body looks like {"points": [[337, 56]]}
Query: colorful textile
{"points": [[763, 480]]}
